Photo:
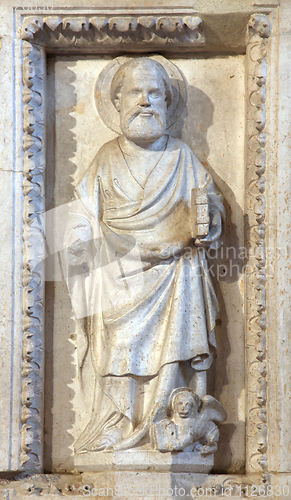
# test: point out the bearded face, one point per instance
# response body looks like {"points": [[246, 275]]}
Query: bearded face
{"points": [[142, 106]]}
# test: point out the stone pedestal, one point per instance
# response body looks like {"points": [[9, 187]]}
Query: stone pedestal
{"points": [[134, 460]]}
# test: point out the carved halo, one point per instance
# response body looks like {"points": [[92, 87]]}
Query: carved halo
{"points": [[107, 112]]}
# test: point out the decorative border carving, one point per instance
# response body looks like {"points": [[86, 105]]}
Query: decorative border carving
{"points": [[103, 34], [259, 31], [72, 486], [33, 78]]}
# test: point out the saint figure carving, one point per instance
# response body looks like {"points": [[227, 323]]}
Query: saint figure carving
{"points": [[136, 241]]}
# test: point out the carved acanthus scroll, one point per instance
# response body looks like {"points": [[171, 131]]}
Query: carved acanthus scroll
{"points": [[131, 32], [33, 256], [259, 31]]}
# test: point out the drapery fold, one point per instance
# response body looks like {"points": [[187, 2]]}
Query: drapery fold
{"points": [[149, 297]]}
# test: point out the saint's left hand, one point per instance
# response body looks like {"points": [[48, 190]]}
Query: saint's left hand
{"points": [[214, 233]]}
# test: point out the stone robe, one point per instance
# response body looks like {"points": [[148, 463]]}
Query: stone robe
{"points": [[150, 304]]}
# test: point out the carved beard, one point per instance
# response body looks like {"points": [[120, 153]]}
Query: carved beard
{"points": [[136, 126]]}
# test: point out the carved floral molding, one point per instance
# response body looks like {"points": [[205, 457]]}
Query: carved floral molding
{"points": [[101, 31], [33, 255], [149, 32], [259, 31]]}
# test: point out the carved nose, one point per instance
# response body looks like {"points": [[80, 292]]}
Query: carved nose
{"points": [[144, 101]]}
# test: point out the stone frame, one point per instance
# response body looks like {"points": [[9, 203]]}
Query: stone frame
{"points": [[169, 32]]}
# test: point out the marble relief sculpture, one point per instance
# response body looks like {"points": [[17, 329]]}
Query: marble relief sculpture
{"points": [[147, 212], [190, 425]]}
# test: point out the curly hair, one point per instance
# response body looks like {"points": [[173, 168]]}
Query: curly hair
{"points": [[139, 62], [183, 390]]}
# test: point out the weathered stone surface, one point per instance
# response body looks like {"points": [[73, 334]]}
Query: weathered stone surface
{"points": [[92, 132], [238, 120]]}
